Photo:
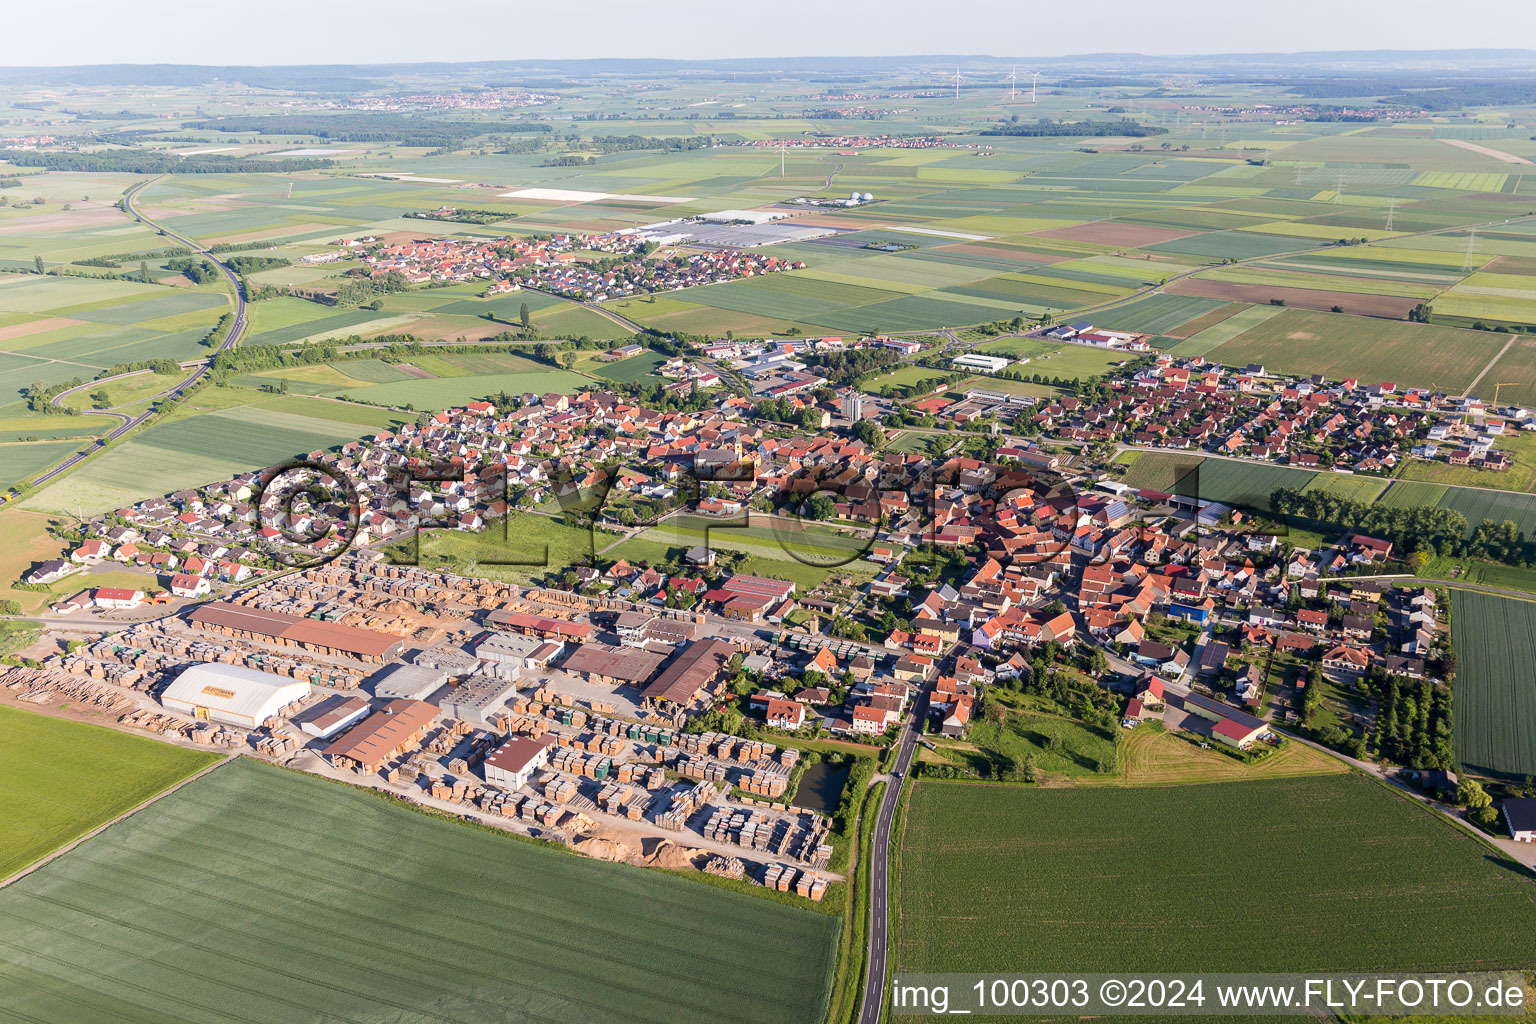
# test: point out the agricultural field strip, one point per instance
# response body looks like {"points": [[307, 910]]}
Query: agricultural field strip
{"points": [[362, 909]]}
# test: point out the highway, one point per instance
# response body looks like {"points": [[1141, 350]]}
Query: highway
{"points": [[236, 329], [876, 950]]}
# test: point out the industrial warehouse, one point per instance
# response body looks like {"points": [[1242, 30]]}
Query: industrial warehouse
{"points": [[231, 695], [295, 631]]}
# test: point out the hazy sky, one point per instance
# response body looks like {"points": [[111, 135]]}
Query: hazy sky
{"points": [[337, 31]]}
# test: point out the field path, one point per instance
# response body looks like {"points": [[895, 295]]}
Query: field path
{"points": [[1497, 154], [61, 851], [1475, 380]]}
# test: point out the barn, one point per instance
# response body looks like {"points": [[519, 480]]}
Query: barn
{"points": [[230, 694]]}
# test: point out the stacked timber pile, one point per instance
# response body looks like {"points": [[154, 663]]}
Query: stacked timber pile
{"points": [[724, 867]]}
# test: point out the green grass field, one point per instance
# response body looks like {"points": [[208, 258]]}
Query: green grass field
{"points": [[442, 392], [1336, 874], [192, 448], [260, 894], [1338, 346], [60, 779], [633, 368], [1495, 720], [1246, 484], [20, 461]]}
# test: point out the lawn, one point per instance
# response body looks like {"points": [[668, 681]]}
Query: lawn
{"points": [[904, 377], [1351, 486], [1317, 873], [518, 548], [1495, 720], [60, 779], [266, 895], [1060, 746], [764, 559], [1150, 756]]}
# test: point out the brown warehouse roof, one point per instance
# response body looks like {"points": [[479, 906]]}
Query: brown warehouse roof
{"points": [[371, 740], [691, 670], [280, 625]]}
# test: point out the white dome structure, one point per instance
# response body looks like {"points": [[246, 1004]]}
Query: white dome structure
{"points": [[231, 694]]}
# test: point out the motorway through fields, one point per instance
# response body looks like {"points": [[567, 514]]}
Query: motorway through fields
{"points": [[236, 329]]}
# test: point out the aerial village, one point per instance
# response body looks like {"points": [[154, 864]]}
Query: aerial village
{"points": [[587, 268], [617, 704]]}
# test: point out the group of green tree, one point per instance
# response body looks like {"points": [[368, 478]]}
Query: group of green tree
{"points": [[1047, 127], [461, 215], [382, 126], [196, 269], [1426, 528], [854, 363], [154, 161], [1413, 720]]}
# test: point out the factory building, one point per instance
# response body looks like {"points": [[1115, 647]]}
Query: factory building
{"points": [[395, 729], [698, 665], [478, 697], [977, 361], [540, 626], [408, 682], [334, 715], [613, 666], [231, 695]]}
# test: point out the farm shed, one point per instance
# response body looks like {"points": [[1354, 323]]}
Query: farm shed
{"points": [[231, 695], [1230, 726], [1520, 814]]}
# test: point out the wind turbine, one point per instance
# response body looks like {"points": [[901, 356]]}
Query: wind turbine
{"points": [[957, 84], [1013, 84], [781, 159], [1033, 82]]}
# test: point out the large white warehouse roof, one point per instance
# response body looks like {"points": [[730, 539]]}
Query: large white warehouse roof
{"points": [[231, 694]]}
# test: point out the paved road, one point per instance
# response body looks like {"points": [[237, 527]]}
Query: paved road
{"points": [[237, 328], [879, 876]]}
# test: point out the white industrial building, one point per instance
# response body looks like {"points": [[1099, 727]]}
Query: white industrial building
{"points": [[515, 761], [231, 695], [977, 361]]}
